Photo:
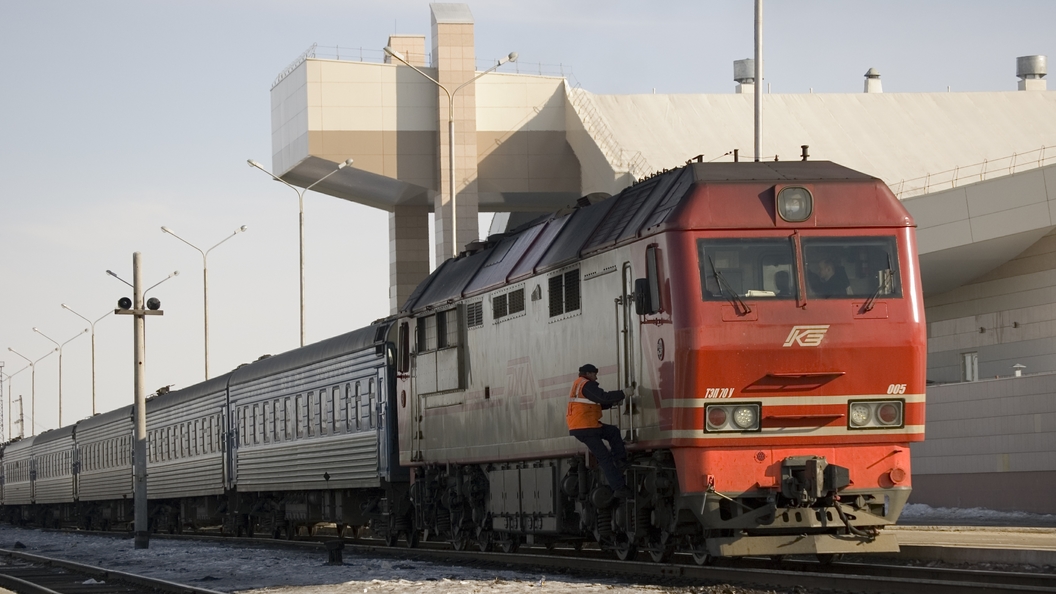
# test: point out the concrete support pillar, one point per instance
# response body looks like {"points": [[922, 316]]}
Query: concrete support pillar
{"points": [[408, 252], [454, 58]]}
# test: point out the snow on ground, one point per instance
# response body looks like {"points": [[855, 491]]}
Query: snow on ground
{"points": [[920, 514], [258, 570], [231, 568]]}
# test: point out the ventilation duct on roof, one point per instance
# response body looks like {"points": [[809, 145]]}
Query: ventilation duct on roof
{"points": [[872, 81], [1031, 71], [744, 75]]}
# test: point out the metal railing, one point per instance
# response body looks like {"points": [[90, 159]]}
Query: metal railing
{"points": [[377, 56], [599, 130], [977, 172]]}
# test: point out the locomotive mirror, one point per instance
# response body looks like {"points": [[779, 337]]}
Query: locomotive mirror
{"points": [[795, 204]]}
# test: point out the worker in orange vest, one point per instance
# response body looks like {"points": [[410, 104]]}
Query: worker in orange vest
{"points": [[586, 400]]}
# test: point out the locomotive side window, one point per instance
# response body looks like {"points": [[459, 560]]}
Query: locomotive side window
{"points": [[564, 292], [757, 268], [851, 267], [474, 314]]}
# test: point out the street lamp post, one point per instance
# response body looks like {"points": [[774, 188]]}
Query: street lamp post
{"points": [[10, 401], [33, 389], [92, 324], [58, 347], [300, 201], [205, 282], [451, 131]]}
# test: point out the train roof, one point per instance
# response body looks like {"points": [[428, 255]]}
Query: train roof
{"points": [[56, 434], [107, 417], [179, 397], [323, 350], [696, 196]]}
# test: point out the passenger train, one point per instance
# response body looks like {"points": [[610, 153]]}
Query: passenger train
{"points": [[767, 318]]}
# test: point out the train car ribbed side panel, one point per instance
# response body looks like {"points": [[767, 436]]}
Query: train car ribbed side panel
{"points": [[350, 461], [191, 477], [109, 483]]}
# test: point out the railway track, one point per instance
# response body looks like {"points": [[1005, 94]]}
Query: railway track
{"points": [[873, 577], [33, 574]]}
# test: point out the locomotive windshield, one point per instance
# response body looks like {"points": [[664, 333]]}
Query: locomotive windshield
{"points": [[835, 267], [851, 267], [757, 267]]}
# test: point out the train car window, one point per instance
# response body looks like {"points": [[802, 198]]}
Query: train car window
{"points": [[299, 421], [346, 405], [326, 412], [756, 267], [287, 418], [336, 409], [851, 267], [448, 330], [273, 420], [372, 405], [356, 407], [427, 335]]}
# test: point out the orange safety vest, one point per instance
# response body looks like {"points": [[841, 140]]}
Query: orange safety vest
{"points": [[583, 413]]}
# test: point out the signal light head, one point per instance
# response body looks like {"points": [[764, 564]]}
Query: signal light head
{"points": [[153, 304], [124, 303]]}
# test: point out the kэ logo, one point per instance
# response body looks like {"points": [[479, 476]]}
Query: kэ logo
{"points": [[807, 336]]}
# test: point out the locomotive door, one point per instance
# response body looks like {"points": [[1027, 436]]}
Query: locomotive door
{"points": [[628, 350]]}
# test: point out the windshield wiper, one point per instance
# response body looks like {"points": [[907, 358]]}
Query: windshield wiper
{"points": [[881, 283], [729, 293]]}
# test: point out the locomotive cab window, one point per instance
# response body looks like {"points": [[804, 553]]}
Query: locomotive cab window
{"points": [[758, 268], [851, 267]]}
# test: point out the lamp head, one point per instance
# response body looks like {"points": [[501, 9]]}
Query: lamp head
{"points": [[394, 53], [253, 163], [165, 229], [35, 329], [242, 229], [512, 57], [345, 164], [124, 303], [64, 306]]}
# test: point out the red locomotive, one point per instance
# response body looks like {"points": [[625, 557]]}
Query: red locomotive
{"points": [[767, 316]]}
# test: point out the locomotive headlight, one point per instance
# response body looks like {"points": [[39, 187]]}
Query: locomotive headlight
{"points": [[795, 204], [875, 414], [744, 417], [860, 414]]}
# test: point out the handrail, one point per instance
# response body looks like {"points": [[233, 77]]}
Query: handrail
{"points": [[977, 172]]}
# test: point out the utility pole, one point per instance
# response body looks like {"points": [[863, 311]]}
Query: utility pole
{"points": [[21, 420], [134, 307]]}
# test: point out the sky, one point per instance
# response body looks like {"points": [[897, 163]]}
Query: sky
{"points": [[119, 117]]}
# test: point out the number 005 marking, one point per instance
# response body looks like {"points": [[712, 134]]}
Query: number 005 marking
{"points": [[896, 389]]}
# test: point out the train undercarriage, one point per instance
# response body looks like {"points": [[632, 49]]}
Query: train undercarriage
{"points": [[550, 502]]}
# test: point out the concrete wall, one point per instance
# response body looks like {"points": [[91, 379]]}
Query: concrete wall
{"points": [[1007, 316], [990, 443]]}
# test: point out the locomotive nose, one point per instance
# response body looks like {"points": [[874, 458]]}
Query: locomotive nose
{"points": [[805, 479]]}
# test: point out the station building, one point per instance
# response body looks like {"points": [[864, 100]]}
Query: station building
{"points": [[976, 170]]}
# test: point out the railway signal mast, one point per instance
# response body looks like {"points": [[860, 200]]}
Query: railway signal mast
{"points": [[134, 307]]}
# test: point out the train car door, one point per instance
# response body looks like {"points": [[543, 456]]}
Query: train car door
{"points": [[229, 442]]}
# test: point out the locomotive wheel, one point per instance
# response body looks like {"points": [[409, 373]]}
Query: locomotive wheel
{"points": [[459, 540], [484, 540], [660, 550], [698, 548], [625, 549], [510, 544], [412, 538]]}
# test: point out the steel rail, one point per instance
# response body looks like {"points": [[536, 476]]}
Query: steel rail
{"points": [[143, 583], [879, 578]]}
